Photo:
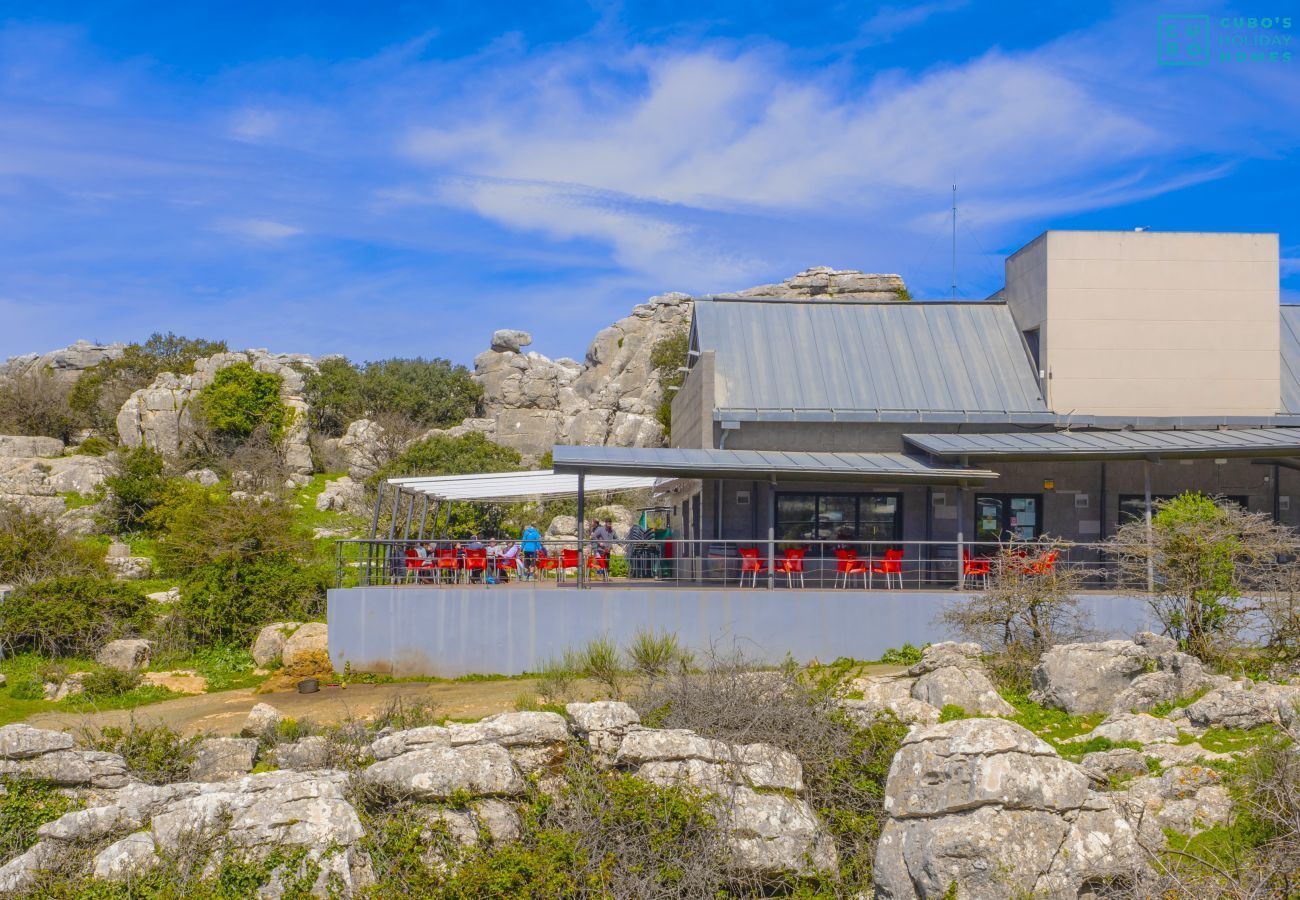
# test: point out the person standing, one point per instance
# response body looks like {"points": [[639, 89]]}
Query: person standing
{"points": [[531, 544]]}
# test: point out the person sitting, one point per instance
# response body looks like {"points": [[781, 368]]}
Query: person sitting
{"points": [[493, 561], [602, 538]]}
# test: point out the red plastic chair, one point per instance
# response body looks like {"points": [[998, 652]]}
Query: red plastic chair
{"points": [[445, 562], [598, 563], [413, 564], [847, 565], [475, 561], [750, 564], [548, 563], [890, 566], [1044, 565], [568, 560], [792, 565], [975, 568]]}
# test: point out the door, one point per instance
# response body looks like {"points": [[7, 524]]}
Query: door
{"points": [[1008, 517]]}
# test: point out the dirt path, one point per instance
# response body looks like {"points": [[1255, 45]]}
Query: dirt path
{"points": [[225, 712]]}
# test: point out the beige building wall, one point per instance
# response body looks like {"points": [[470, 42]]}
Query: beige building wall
{"points": [[1152, 323]]}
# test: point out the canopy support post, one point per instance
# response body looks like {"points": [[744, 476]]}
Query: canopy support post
{"points": [[961, 536], [771, 534], [582, 520], [392, 521], [374, 518], [446, 523], [424, 515], [1146, 498], [410, 514]]}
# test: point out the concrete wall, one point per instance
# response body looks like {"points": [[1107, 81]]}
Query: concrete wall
{"points": [[449, 632], [1152, 323], [693, 406]]}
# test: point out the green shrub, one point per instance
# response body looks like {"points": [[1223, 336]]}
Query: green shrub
{"points": [[27, 689], [654, 654], [155, 754], [667, 358], [104, 683], [906, 655], [36, 403], [136, 488], [73, 616], [227, 601], [26, 805], [203, 527], [240, 400], [427, 393], [951, 712], [602, 661], [94, 446], [33, 548]]}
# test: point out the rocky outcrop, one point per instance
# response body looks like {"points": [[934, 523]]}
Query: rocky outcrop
{"points": [[36, 480], [68, 362], [341, 495], [987, 807], [952, 674], [125, 655], [161, 416], [1117, 675], [270, 642], [825, 283], [306, 643], [1244, 705]]}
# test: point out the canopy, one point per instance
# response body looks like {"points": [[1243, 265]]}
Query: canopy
{"points": [[1128, 444], [514, 486]]}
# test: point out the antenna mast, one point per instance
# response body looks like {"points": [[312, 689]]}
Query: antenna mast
{"points": [[954, 241]]}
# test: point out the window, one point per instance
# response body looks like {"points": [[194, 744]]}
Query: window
{"points": [[1031, 341], [1132, 507], [801, 518], [1008, 517]]}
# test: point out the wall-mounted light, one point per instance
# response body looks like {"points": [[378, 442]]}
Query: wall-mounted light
{"points": [[1049, 484]]}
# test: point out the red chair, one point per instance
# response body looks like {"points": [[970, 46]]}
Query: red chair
{"points": [[847, 565], [598, 563], [548, 563], [568, 560], [475, 561], [1044, 565], [413, 565], [792, 565], [890, 566], [446, 564], [506, 564], [974, 568], [751, 564]]}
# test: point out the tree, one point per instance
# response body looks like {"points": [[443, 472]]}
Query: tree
{"points": [[668, 356], [1029, 605], [1211, 564], [135, 488], [241, 400], [427, 393], [36, 403], [99, 393]]}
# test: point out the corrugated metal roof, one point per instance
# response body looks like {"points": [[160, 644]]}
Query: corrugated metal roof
{"points": [[901, 361], [1111, 444], [680, 462], [1291, 359]]}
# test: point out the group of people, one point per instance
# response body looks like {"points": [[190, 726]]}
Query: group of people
{"points": [[523, 555]]}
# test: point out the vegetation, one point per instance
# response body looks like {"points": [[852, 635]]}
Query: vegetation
{"points": [[240, 401], [36, 403], [154, 754], [426, 393], [26, 805], [1208, 562], [667, 358], [33, 548], [72, 615], [135, 489]]}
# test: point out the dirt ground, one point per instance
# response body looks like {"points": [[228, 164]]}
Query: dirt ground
{"points": [[224, 713]]}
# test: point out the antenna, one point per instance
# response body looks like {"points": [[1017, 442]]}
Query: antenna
{"points": [[954, 240]]}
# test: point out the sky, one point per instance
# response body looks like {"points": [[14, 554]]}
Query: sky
{"points": [[401, 179]]}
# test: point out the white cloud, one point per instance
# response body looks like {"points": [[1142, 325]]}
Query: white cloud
{"points": [[254, 125], [261, 229]]}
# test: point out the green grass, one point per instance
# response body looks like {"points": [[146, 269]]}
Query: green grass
{"points": [[1227, 740], [73, 500], [307, 517], [25, 666], [1162, 710], [1052, 725], [225, 668], [1075, 752]]}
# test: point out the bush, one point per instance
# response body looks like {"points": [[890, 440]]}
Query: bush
{"points": [[228, 601], [99, 393], [27, 689], [655, 655], [202, 527], [602, 661], [240, 400], [155, 754], [104, 683], [667, 358], [427, 393], [94, 446], [906, 655], [37, 404], [26, 805], [135, 489], [32, 548], [73, 616]]}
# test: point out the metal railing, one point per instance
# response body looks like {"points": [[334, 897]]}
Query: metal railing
{"points": [[811, 565]]}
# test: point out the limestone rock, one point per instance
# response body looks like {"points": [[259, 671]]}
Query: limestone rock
{"points": [[25, 742], [1143, 728], [262, 721], [125, 655], [951, 673], [304, 754], [1121, 763], [436, 773], [132, 856], [71, 768], [70, 686], [130, 568], [1234, 708], [270, 642], [167, 597], [27, 446], [823, 282], [1116, 675], [341, 495], [205, 477], [223, 759], [507, 340], [312, 638]]}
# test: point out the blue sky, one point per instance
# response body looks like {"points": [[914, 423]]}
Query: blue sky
{"points": [[400, 178]]}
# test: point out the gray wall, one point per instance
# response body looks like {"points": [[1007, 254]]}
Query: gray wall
{"points": [[448, 632]]}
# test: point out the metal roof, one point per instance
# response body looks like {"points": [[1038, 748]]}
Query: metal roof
{"points": [[788, 465], [510, 486], [1260, 442], [1291, 359], [825, 360]]}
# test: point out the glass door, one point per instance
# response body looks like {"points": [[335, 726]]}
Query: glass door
{"points": [[1008, 517]]}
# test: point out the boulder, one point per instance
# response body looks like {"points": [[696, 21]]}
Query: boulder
{"points": [[952, 673], [71, 768], [28, 446], [125, 655], [304, 754], [341, 495], [311, 639], [263, 719], [205, 477], [1116, 675], [509, 340], [130, 568], [1234, 707], [1140, 727], [223, 759], [25, 742], [1121, 763], [269, 645], [130, 857], [437, 773], [167, 597], [69, 686]]}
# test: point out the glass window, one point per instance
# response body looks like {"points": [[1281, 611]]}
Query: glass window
{"points": [[1031, 341], [795, 517], [880, 518], [801, 518], [837, 517], [1008, 517]]}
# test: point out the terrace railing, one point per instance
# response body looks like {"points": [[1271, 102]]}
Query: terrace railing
{"points": [[702, 564]]}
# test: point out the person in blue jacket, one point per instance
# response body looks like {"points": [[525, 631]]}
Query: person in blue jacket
{"points": [[531, 545]]}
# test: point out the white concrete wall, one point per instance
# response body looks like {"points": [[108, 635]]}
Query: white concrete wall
{"points": [[1153, 323]]}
